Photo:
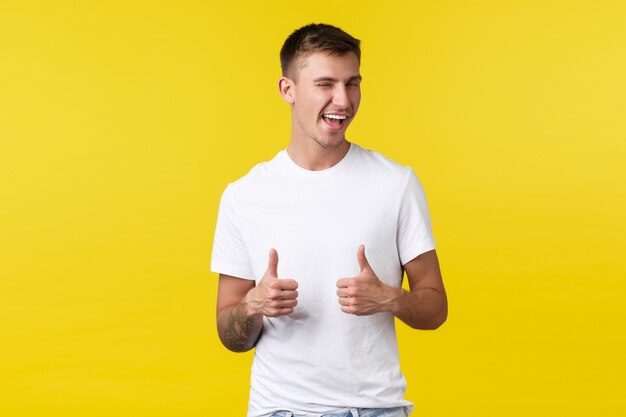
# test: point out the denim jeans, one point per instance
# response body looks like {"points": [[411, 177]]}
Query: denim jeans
{"points": [[354, 412]]}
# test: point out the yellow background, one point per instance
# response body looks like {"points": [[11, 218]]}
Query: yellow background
{"points": [[121, 122]]}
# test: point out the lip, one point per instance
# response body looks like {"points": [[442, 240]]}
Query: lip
{"points": [[332, 128]]}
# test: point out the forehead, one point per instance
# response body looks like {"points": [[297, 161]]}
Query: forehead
{"points": [[325, 64]]}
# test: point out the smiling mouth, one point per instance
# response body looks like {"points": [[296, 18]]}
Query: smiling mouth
{"points": [[334, 121]]}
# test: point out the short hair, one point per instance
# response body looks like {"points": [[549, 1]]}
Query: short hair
{"points": [[317, 37]]}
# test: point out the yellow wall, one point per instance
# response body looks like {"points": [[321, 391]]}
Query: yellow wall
{"points": [[121, 122]]}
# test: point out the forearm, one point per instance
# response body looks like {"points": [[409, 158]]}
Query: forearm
{"points": [[237, 330], [423, 308]]}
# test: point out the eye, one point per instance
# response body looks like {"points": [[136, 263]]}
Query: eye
{"points": [[324, 84], [353, 84]]}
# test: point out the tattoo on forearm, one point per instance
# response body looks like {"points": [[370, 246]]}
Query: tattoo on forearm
{"points": [[238, 331]]}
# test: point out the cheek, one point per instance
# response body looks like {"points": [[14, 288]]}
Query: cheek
{"points": [[355, 105], [354, 95]]}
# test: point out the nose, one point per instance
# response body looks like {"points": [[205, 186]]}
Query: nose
{"points": [[340, 96]]}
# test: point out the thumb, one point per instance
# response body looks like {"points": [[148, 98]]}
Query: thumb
{"points": [[360, 256], [272, 267]]}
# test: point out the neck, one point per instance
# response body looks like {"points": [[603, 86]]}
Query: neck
{"points": [[310, 155]]}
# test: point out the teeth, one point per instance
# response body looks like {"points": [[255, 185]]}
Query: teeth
{"points": [[335, 116]]}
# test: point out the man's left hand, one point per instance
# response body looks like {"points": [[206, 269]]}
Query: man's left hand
{"points": [[365, 294]]}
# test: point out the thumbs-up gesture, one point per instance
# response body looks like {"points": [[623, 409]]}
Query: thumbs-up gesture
{"points": [[272, 297], [365, 294]]}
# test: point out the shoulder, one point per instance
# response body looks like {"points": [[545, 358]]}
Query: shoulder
{"points": [[378, 165], [260, 174]]}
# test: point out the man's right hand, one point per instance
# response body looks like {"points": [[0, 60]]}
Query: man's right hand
{"points": [[272, 297]]}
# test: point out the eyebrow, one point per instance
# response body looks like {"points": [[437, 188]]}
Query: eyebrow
{"points": [[331, 79]]}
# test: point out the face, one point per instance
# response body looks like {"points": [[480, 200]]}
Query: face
{"points": [[324, 93]]}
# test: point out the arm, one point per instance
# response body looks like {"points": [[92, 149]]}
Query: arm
{"points": [[425, 306], [237, 329], [241, 305]]}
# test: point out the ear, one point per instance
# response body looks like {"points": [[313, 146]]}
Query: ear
{"points": [[286, 88]]}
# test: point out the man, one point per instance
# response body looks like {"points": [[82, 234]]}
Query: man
{"points": [[311, 248]]}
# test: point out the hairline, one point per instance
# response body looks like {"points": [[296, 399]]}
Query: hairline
{"points": [[300, 60]]}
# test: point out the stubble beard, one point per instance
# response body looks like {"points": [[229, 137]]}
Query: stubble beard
{"points": [[329, 144], [326, 142]]}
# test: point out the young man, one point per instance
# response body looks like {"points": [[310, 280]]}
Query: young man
{"points": [[346, 223]]}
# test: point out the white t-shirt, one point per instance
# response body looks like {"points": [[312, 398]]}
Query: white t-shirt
{"points": [[319, 359]]}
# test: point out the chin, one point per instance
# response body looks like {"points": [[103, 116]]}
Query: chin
{"points": [[329, 143]]}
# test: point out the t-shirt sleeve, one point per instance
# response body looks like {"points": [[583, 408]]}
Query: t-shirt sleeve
{"points": [[415, 234], [230, 256]]}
